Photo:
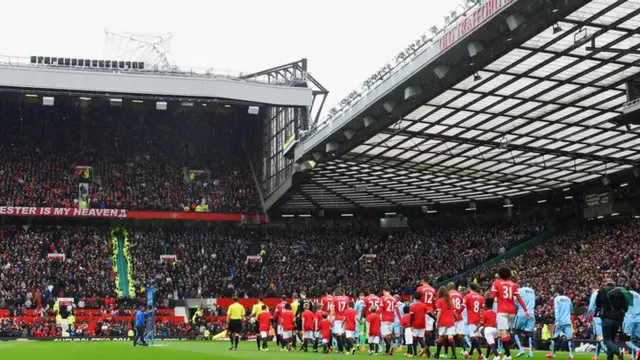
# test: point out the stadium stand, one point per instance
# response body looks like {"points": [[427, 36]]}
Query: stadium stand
{"points": [[140, 158], [578, 259]]}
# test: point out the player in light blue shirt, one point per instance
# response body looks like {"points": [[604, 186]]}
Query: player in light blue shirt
{"points": [[563, 309], [596, 323], [358, 308], [396, 323], [632, 321], [524, 326]]}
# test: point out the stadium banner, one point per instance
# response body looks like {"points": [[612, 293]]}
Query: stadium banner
{"points": [[126, 214], [108, 338], [168, 258], [56, 257], [79, 319], [470, 22]]}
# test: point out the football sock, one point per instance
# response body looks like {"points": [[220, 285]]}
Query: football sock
{"points": [[518, 342], [258, 341], [453, 347], [530, 344], [474, 345], [236, 341], [265, 343], [506, 342], [570, 345]]}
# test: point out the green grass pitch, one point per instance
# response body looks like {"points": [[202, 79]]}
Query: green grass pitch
{"points": [[185, 350]]}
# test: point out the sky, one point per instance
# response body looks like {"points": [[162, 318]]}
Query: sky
{"points": [[345, 41]]}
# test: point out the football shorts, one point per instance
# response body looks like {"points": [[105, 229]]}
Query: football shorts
{"points": [[317, 334], [308, 334], [524, 324], [447, 331], [632, 329], [505, 321], [490, 335], [408, 336], [473, 330], [287, 334], [338, 327], [374, 339], [349, 334], [386, 329], [431, 323], [567, 330], [419, 333], [597, 326], [461, 328], [264, 334], [280, 330]]}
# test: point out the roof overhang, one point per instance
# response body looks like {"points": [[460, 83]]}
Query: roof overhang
{"points": [[24, 76], [523, 110]]}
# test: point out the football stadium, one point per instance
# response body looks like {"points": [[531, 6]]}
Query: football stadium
{"points": [[478, 196]]}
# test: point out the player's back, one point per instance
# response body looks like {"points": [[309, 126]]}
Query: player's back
{"points": [[388, 308], [456, 301], [428, 295], [505, 291], [473, 306], [633, 314], [563, 308], [327, 303], [340, 306], [369, 301], [528, 298]]}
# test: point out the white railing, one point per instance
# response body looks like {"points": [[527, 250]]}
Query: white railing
{"points": [[417, 47], [203, 72]]}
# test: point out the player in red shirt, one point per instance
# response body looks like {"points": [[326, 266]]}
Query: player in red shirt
{"points": [[388, 312], [318, 317], [327, 306], [350, 325], [370, 301], [327, 301], [506, 291], [457, 301], [488, 321], [308, 326], [406, 330], [418, 311], [264, 323], [473, 303], [277, 318], [324, 327], [446, 321], [429, 297], [373, 330], [288, 323], [338, 308]]}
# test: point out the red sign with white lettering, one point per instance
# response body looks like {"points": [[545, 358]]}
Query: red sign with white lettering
{"points": [[127, 214], [469, 23]]}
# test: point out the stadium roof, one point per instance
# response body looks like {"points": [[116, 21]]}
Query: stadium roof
{"points": [[536, 118]]}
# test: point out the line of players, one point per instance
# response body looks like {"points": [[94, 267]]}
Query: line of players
{"points": [[444, 319]]}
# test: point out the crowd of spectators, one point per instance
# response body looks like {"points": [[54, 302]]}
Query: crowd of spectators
{"points": [[140, 158], [577, 260], [212, 261]]}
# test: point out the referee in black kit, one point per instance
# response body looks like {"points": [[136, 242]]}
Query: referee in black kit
{"points": [[235, 314], [303, 300]]}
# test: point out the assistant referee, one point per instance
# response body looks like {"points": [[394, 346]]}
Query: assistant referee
{"points": [[235, 314]]}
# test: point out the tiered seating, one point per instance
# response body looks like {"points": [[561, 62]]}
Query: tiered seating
{"points": [[140, 158]]}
